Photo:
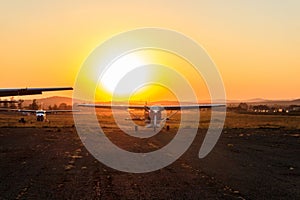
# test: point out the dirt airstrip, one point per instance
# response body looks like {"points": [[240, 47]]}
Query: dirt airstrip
{"points": [[49, 161]]}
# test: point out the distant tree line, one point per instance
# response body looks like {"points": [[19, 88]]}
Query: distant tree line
{"points": [[244, 107], [62, 106], [33, 106], [10, 103]]}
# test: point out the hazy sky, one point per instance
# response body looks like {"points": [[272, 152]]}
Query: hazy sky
{"points": [[255, 44]]}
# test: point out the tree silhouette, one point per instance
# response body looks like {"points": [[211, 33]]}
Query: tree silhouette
{"points": [[34, 105], [243, 107], [5, 103], [12, 104], [55, 107], [62, 106], [20, 104]]}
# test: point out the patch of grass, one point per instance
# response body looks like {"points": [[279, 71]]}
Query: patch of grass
{"points": [[233, 120]]}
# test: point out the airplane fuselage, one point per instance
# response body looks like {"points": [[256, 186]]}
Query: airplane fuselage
{"points": [[153, 116], [40, 115]]}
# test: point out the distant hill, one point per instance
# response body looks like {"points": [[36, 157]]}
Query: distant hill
{"points": [[255, 100], [50, 101], [282, 102], [266, 102], [296, 101]]}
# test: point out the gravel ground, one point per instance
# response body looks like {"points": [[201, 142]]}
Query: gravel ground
{"points": [[52, 163]]}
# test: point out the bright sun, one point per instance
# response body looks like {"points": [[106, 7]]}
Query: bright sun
{"points": [[132, 76], [119, 69]]}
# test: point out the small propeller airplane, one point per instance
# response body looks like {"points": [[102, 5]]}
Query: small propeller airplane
{"points": [[41, 114], [153, 114]]}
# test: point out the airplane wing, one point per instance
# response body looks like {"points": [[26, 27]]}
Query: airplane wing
{"points": [[24, 111], [191, 106], [109, 106], [166, 107], [34, 111], [28, 91], [57, 111], [17, 110]]}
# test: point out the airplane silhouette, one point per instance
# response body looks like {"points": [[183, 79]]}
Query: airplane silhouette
{"points": [[153, 113], [41, 114]]}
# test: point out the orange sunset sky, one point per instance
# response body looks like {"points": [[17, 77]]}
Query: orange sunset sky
{"points": [[255, 44]]}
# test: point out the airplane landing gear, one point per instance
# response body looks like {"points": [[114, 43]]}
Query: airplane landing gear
{"points": [[40, 118], [22, 120], [168, 127]]}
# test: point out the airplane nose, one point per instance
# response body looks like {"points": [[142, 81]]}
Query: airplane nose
{"points": [[156, 108]]}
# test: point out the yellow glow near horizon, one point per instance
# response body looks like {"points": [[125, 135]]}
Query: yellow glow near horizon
{"points": [[148, 57], [148, 94]]}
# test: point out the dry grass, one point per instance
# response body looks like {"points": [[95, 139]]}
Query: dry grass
{"points": [[55, 120], [233, 120]]}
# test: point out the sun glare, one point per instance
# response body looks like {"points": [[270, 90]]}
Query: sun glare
{"points": [[120, 68], [121, 80]]}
